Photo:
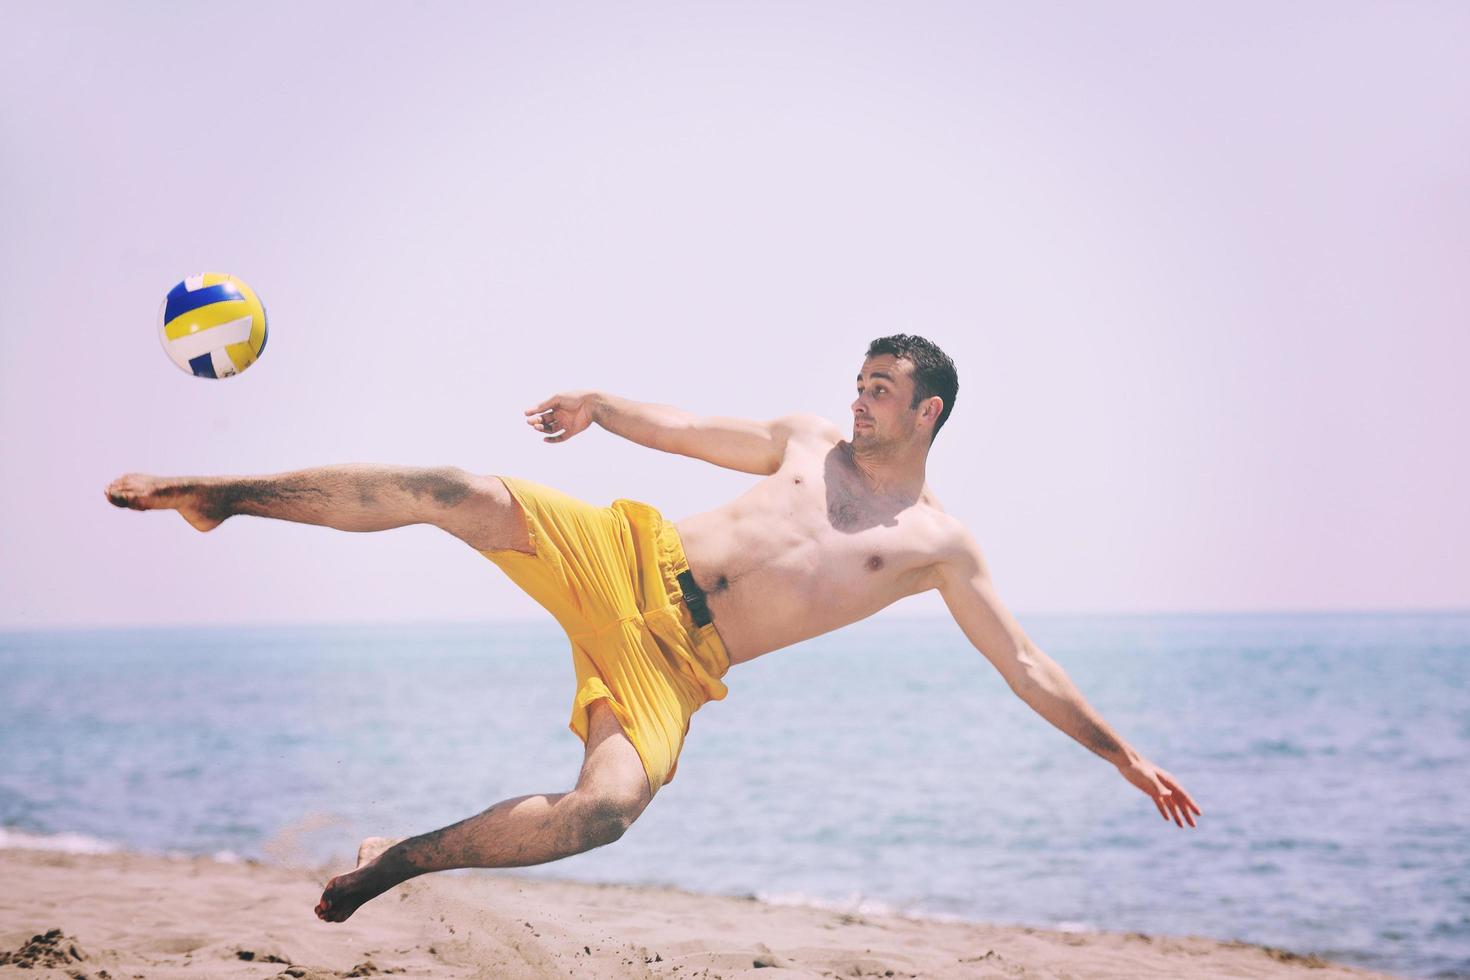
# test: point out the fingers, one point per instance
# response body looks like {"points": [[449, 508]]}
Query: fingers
{"points": [[553, 429], [1187, 804], [552, 426], [1173, 807], [1171, 799], [1165, 802], [1188, 800], [559, 417], [1181, 793]]}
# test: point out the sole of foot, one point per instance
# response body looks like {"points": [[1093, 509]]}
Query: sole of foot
{"points": [[138, 491]]}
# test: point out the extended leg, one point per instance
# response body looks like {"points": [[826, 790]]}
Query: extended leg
{"points": [[611, 792], [351, 497]]}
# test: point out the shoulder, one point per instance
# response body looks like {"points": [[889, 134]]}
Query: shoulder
{"points": [[957, 555], [803, 427]]}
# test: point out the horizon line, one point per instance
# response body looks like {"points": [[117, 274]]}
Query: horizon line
{"points": [[517, 621]]}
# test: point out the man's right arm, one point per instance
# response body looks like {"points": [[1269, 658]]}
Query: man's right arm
{"points": [[737, 444], [965, 584]]}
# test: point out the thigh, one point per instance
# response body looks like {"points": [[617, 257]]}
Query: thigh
{"points": [[488, 518]]}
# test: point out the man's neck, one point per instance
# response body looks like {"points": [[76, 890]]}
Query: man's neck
{"points": [[897, 472]]}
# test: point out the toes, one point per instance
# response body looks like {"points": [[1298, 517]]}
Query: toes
{"points": [[324, 908], [121, 495]]}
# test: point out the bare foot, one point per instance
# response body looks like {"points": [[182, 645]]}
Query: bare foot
{"points": [[138, 491], [345, 893]]}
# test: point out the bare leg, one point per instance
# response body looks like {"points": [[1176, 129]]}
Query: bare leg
{"points": [[351, 497], [611, 792]]}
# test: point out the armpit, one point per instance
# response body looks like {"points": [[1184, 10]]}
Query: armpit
{"points": [[922, 579]]}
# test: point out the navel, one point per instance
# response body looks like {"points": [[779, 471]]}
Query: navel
{"points": [[797, 480], [874, 562]]}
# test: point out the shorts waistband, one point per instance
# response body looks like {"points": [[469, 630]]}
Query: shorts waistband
{"points": [[694, 599], [688, 602]]}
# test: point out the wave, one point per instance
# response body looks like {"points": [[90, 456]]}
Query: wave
{"points": [[72, 843], [855, 904], [19, 840]]}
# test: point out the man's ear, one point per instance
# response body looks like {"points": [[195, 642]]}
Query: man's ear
{"points": [[933, 407]]}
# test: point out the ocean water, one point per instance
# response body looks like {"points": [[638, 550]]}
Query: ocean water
{"points": [[884, 767]]}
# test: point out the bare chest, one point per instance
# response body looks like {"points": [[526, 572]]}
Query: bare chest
{"points": [[822, 533], [807, 550]]}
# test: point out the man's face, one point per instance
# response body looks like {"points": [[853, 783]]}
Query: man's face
{"points": [[881, 412]]}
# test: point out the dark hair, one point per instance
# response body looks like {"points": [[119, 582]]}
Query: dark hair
{"points": [[934, 372]]}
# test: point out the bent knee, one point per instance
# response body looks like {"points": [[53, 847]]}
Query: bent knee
{"points": [[606, 817], [480, 511]]}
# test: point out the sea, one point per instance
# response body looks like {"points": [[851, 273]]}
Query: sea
{"points": [[885, 768]]}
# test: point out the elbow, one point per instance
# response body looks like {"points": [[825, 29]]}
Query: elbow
{"points": [[1029, 671], [1022, 684]]}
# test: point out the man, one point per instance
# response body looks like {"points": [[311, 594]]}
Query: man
{"points": [[657, 612]]}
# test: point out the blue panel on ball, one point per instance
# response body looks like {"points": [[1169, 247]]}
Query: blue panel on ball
{"points": [[181, 300], [264, 336], [203, 366]]}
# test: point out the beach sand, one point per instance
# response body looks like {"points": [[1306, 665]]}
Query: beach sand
{"points": [[124, 916]]}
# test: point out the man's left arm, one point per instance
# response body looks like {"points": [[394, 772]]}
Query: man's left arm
{"points": [[968, 591]]}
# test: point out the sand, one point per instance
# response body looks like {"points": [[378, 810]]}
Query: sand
{"points": [[121, 916]]}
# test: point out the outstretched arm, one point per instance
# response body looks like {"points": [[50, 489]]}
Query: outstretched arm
{"points": [[1041, 682], [737, 444]]}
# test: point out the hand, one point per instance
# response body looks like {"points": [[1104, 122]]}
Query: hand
{"points": [[562, 416], [1163, 789]]}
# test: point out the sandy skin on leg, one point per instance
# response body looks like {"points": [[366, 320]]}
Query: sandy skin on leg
{"points": [[611, 792]]}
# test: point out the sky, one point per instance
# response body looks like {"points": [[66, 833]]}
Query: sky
{"points": [[1202, 269]]}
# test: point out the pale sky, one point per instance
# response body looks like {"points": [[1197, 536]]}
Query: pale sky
{"points": [[1203, 272]]}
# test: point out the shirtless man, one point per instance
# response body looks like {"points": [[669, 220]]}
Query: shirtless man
{"points": [[836, 530]]}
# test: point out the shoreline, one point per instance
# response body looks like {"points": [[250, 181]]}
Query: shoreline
{"points": [[131, 915]]}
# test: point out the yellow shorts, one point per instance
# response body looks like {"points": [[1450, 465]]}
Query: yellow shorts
{"points": [[610, 577]]}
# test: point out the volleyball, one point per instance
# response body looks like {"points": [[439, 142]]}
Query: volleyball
{"points": [[212, 325]]}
